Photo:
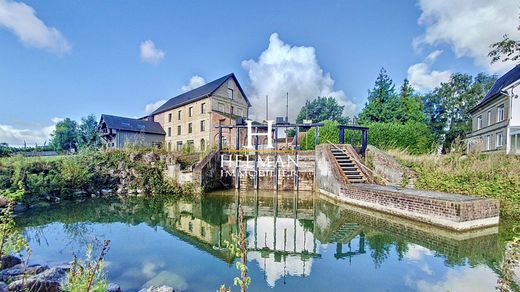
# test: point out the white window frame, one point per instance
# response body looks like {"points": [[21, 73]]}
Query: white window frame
{"points": [[203, 125], [489, 118], [230, 93], [488, 142], [500, 113], [499, 140], [479, 122]]}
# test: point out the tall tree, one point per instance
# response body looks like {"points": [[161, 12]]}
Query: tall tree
{"points": [[65, 136], [408, 107], [506, 50], [447, 107], [88, 135], [321, 109], [381, 101]]}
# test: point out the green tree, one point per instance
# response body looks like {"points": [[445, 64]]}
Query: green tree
{"points": [[321, 109], [88, 135], [447, 107], [505, 50], [381, 102], [408, 107], [65, 136]]}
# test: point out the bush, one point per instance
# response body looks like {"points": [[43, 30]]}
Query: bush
{"points": [[328, 133], [413, 137], [492, 175]]}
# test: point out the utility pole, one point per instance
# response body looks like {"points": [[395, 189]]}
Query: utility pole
{"points": [[267, 108]]}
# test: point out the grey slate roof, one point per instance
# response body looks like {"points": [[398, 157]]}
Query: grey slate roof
{"points": [[507, 79], [132, 125], [198, 93]]}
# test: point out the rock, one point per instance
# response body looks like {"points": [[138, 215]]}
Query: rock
{"points": [[389, 171], [150, 157], [9, 261], [106, 192], [112, 287], [20, 207], [3, 202], [134, 156], [162, 288], [14, 273], [48, 281]]}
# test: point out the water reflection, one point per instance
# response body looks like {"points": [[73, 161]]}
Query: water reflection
{"points": [[296, 241]]}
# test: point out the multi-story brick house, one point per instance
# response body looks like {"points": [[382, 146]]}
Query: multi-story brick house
{"points": [[189, 119], [496, 118]]}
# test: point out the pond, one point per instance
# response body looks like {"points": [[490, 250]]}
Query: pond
{"points": [[296, 241]]}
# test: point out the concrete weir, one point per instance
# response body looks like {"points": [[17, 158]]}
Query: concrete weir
{"points": [[452, 211]]}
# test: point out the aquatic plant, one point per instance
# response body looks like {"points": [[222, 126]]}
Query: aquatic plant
{"points": [[506, 282], [238, 248], [11, 240], [88, 275]]}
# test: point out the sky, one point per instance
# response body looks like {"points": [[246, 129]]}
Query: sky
{"points": [[66, 58]]}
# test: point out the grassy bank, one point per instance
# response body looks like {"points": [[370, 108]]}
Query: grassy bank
{"points": [[493, 176], [91, 172]]}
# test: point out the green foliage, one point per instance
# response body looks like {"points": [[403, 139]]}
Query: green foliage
{"points": [[321, 109], [88, 135], [494, 176], [381, 102], [328, 133], [506, 281], [506, 50], [65, 136], [414, 137], [447, 107], [11, 240], [88, 275]]}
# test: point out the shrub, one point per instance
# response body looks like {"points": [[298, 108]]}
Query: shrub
{"points": [[88, 275], [328, 133], [413, 137]]}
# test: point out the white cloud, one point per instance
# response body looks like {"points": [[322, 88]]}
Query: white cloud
{"points": [[469, 27], [149, 108], [151, 54], [195, 81], [21, 19], [480, 278], [17, 136], [421, 76], [284, 68]]}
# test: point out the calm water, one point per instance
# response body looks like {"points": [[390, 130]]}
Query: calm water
{"points": [[297, 242]]}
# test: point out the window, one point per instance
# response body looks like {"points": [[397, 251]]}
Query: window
{"points": [[230, 93], [203, 108], [479, 122], [169, 146], [221, 107], [190, 111], [179, 145], [169, 132], [179, 130], [170, 118], [190, 145], [202, 145], [500, 115], [488, 142], [179, 115], [500, 140], [232, 109], [190, 128], [202, 126], [489, 118]]}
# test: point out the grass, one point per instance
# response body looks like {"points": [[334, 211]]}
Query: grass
{"points": [[11, 159], [492, 176]]}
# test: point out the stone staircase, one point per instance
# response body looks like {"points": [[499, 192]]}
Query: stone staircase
{"points": [[345, 232], [348, 166]]}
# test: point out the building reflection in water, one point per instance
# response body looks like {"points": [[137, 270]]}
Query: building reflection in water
{"points": [[287, 230]]}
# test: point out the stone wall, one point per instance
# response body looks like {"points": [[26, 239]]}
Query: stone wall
{"points": [[206, 173], [451, 211]]}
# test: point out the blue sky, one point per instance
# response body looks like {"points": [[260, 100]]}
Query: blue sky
{"points": [[72, 58]]}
